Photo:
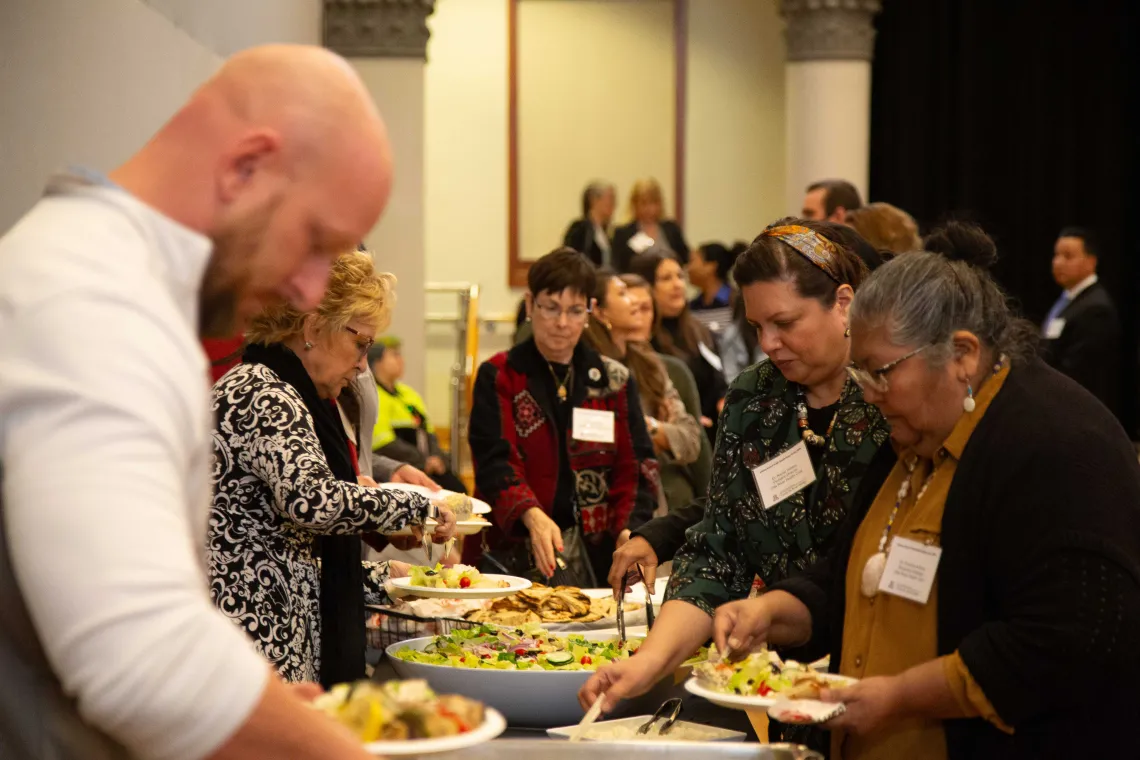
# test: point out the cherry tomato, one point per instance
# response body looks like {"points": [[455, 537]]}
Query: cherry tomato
{"points": [[586, 660], [763, 689], [465, 582], [520, 651]]}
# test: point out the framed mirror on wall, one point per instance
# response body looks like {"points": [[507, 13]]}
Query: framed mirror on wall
{"points": [[596, 91]]}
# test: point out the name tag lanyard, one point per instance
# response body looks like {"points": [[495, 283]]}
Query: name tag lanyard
{"points": [[877, 564]]}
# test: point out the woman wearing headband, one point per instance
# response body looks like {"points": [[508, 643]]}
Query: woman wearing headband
{"points": [[797, 410]]}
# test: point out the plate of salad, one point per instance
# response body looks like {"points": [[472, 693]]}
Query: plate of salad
{"points": [[759, 680], [457, 582], [530, 675]]}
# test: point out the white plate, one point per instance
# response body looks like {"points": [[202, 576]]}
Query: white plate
{"points": [[462, 528], [738, 702], [493, 725], [711, 733], [479, 507], [404, 585]]}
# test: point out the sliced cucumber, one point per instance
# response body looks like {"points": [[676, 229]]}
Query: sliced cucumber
{"points": [[559, 659]]}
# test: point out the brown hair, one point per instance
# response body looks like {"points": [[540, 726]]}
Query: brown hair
{"points": [[646, 369], [690, 332], [886, 227], [560, 269], [355, 291], [836, 193], [769, 259]]}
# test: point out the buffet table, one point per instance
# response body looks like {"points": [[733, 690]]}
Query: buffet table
{"points": [[506, 749]]}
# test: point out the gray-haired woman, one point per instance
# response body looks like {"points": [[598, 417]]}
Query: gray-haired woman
{"points": [[590, 235], [989, 599]]}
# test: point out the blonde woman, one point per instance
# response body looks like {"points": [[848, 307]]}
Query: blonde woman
{"points": [[284, 543], [648, 229]]}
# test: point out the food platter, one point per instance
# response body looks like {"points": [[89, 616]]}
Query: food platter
{"points": [[536, 698], [551, 606], [493, 724], [624, 730], [508, 584]]}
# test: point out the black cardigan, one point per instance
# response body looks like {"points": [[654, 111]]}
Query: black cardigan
{"points": [[580, 236], [1039, 582], [623, 254]]}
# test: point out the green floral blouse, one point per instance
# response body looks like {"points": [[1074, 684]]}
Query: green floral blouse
{"points": [[738, 538]]}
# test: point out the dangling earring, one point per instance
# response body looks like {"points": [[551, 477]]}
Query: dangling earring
{"points": [[968, 403], [847, 332], [308, 346]]}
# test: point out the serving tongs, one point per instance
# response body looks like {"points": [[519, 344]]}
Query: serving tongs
{"points": [[649, 616], [670, 709]]}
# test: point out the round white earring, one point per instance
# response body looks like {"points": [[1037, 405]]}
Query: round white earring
{"points": [[968, 403], [308, 346]]}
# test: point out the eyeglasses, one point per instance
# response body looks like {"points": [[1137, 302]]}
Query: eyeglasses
{"points": [[876, 379], [362, 347], [574, 314]]}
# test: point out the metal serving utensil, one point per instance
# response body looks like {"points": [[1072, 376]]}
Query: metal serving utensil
{"points": [[670, 709], [649, 616]]}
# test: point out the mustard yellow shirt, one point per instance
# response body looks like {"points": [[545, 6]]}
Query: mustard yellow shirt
{"points": [[886, 635]]}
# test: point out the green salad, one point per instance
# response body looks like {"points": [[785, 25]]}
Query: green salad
{"points": [[530, 647]]}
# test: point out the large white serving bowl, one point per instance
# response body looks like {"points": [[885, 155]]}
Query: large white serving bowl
{"points": [[531, 698]]}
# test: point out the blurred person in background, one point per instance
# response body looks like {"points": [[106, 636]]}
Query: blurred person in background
{"points": [[403, 431], [708, 271], [830, 200], [590, 235], [890, 229], [620, 333], [1081, 333], [678, 333], [649, 229]]}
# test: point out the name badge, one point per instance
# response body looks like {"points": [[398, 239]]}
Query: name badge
{"points": [[595, 425], [1054, 329], [783, 475], [910, 570]]}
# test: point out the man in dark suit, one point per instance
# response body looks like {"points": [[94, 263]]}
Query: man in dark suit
{"points": [[830, 199], [1082, 331]]}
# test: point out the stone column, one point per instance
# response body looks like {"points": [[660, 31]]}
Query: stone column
{"points": [[386, 40], [830, 44]]}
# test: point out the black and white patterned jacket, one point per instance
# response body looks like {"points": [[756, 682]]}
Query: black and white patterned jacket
{"points": [[274, 495]]}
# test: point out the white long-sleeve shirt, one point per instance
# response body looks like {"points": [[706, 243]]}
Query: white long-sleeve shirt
{"points": [[104, 447]]}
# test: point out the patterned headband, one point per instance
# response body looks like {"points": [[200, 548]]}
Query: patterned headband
{"points": [[812, 246]]}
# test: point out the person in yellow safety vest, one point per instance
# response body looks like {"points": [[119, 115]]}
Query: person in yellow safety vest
{"points": [[403, 431]]}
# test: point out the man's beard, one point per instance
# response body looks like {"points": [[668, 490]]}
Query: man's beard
{"points": [[227, 275]]}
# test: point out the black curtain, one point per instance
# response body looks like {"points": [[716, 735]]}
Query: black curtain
{"points": [[1016, 114]]}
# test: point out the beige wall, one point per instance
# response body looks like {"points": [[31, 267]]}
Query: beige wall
{"points": [[226, 26], [734, 159], [734, 152], [397, 242], [596, 100], [88, 82], [85, 83], [465, 152]]}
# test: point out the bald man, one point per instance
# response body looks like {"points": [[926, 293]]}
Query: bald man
{"points": [[110, 647]]}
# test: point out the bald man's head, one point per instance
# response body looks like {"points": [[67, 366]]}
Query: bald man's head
{"points": [[283, 160]]}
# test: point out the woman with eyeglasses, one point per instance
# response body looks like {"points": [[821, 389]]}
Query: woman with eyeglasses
{"points": [[797, 443], [988, 598], [284, 549], [558, 440]]}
